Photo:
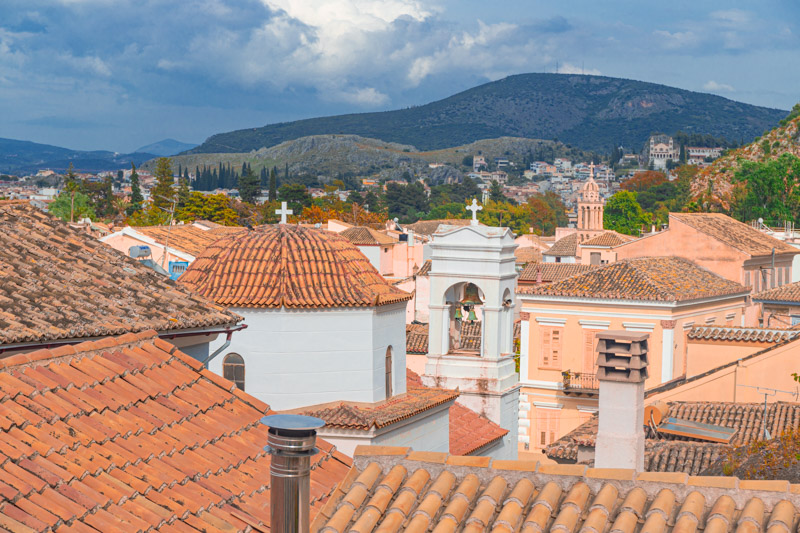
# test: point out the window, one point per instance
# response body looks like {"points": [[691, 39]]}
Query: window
{"points": [[551, 347], [233, 369], [547, 424], [388, 372], [594, 258]]}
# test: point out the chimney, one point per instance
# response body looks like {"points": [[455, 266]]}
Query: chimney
{"points": [[291, 444], [621, 371], [411, 237]]}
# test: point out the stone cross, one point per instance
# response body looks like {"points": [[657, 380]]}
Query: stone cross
{"points": [[474, 208], [591, 170], [283, 212]]}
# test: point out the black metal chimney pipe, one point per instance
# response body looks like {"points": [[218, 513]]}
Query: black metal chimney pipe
{"points": [[291, 443]]}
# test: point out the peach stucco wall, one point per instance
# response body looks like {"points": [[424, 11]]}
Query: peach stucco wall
{"points": [[607, 255], [123, 243], [702, 356], [406, 258]]}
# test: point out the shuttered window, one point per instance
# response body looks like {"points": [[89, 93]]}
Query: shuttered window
{"points": [[551, 347], [589, 353], [233, 369], [548, 422]]}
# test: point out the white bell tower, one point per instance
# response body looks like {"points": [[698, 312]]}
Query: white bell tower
{"points": [[462, 258]]}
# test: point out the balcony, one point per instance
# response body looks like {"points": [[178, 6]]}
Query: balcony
{"points": [[580, 383]]}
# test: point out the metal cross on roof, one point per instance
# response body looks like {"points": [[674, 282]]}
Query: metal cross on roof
{"points": [[474, 208], [591, 170], [283, 211]]}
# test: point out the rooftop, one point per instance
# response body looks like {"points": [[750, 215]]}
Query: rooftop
{"points": [[564, 247], [741, 334], [417, 336], [364, 236], [60, 283], [428, 227], [186, 237], [608, 239], [664, 279], [552, 272], [734, 233], [393, 489], [130, 434], [291, 266], [789, 293], [527, 254], [681, 454]]}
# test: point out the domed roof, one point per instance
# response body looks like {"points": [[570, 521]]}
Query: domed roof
{"points": [[590, 185], [288, 266]]}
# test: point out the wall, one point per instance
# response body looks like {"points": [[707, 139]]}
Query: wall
{"points": [[702, 355], [546, 406], [296, 358], [405, 258], [607, 255]]}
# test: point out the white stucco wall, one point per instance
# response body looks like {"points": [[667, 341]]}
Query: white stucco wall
{"points": [[373, 253], [297, 358]]}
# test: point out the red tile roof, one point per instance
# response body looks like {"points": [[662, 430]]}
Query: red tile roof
{"points": [[527, 254], [564, 247], [364, 236], [734, 233], [130, 434], [666, 279], [354, 415], [552, 272], [394, 489], [290, 266], [720, 333], [789, 293], [425, 268], [186, 238], [59, 283], [429, 227], [608, 239], [417, 338], [469, 431]]}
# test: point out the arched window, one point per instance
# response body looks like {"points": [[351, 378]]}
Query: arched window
{"points": [[388, 372], [233, 369]]}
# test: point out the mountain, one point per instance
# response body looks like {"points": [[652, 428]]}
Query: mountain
{"points": [[715, 181], [590, 112], [332, 155], [166, 148], [17, 157]]}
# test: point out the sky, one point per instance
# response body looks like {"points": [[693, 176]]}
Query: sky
{"points": [[120, 74]]}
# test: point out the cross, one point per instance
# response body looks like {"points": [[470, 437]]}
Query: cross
{"points": [[283, 212], [591, 170], [474, 208]]}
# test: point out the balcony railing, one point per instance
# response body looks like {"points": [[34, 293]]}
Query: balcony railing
{"points": [[580, 383]]}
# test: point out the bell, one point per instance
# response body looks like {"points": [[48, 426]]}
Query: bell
{"points": [[471, 294], [459, 316], [472, 317]]}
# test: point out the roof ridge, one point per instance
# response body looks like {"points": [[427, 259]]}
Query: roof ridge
{"points": [[70, 351]]}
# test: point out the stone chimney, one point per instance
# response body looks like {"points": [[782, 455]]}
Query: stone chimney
{"points": [[622, 370]]}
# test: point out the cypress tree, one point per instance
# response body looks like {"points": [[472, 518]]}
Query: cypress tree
{"points": [[162, 193], [273, 185], [249, 187], [136, 192], [264, 178]]}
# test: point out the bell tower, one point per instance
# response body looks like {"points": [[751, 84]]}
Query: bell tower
{"points": [[590, 206]]}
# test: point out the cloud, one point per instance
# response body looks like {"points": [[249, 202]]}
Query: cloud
{"points": [[366, 96], [675, 40], [569, 68], [715, 87]]}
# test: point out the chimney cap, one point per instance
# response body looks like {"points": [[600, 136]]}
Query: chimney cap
{"points": [[293, 422]]}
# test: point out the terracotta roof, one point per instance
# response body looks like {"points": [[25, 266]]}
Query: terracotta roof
{"points": [[469, 431], [789, 293], [719, 333], [666, 279], [428, 227], [734, 233], [363, 236], [130, 434], [60, 283], [528, 254], [425, 269], [286, 265], [364, 416], [681, 454], [417, 338], [186, 238], [608, 239], [564, 247], [394, 489], [552, 272]]}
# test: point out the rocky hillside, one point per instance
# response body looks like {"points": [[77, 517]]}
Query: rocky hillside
{"points": [[330, 155], [590, 112], [716, 180]]}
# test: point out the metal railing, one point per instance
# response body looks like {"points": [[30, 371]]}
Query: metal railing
{"points": [[580, 381]]}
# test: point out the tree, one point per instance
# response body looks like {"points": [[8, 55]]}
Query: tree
{"points": [[644, 180], [504, 214], [496, 192], [542, 215], [372, 202], [249, 187], [768, 190], [70, 205], [354, 197], [273, 186], [467, 161], [183, 191], [214, 207], [72, 187], [559, 209], [624, 214], [163, 194], [295, 195], [406, 202], [136, 192]]}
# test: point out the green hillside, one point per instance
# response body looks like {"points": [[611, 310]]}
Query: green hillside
{"points": [[590, 112]]}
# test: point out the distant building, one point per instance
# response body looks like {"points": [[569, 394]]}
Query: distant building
{"points": [[660, 149], [697, 155]]}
